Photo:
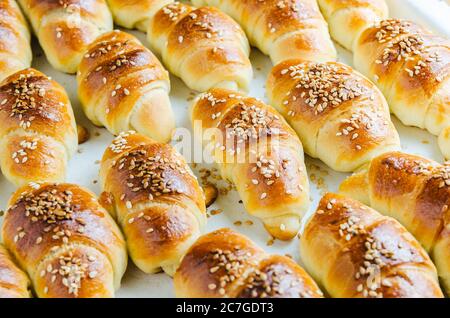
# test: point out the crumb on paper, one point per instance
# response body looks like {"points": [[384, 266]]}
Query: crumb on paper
{"points": [[83, 134], [211, 194], [215, 211]]}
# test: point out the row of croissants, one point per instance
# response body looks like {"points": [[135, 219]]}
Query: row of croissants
{"points": [[65, 242], [68, 242]]}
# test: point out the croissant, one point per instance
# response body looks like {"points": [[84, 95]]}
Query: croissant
{"points": [[67, 243], [348, 18], [411, 67], [353, 251], [256, 149], [13, 282], [415, 191], [123, 86], [135, 14], [282, 29], [227, 264], [65, 27], [339, 115], [204, 47], [155, 198], [37, 128], [15, 49]]}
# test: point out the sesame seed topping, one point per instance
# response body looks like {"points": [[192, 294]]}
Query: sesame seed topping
{"points": [[323, 86]]}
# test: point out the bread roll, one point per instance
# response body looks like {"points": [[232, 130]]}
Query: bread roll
{"points": [[204, 47], [123, 86], [227, 264], [155, 198], [282, 29], [67, 243], [15, 49], [64, 28], [13, 282], [415, 191], [411, 66], [38, 133], [259, 153], [339, 115], [353, 251]]}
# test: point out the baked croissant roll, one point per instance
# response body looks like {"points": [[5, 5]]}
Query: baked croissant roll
{"points": [[135, 14], [13, 282], [155, 198], [353, 251], [282, 29], [15, 49], [204, 47], [64, 28], [347, 19], [227, 264], [415, 191], [339, 115], [411, 67], [123, 86], [38, 134], [67, 243], [256, 149]]}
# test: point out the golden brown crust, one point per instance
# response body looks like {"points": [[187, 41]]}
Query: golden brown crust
{"points": [[256, 150], [135, 13], [415, 191], [15, 50], [203, 46], [122, 86], [348, 18], [156, 199], [282, 29], [65, 28], [411, 66], [38, 128], [368, 255], [334, 110], [45, 221], [226, 264], [13, 282]]}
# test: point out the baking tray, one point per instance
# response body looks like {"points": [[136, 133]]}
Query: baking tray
{"points": [[227, 211]]}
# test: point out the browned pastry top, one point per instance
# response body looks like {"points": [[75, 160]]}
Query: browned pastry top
{"points": [[315, 92], [142, 169], [118, 55], [34, 102], [374, 250], [397, 174], [9, 16], [44, 217], [187, 26], [318, 88], [86, 8], [216, 264], [282, 16], [224, 263], [421, 57], [13, 282], [279, 277], [241, 119]]}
